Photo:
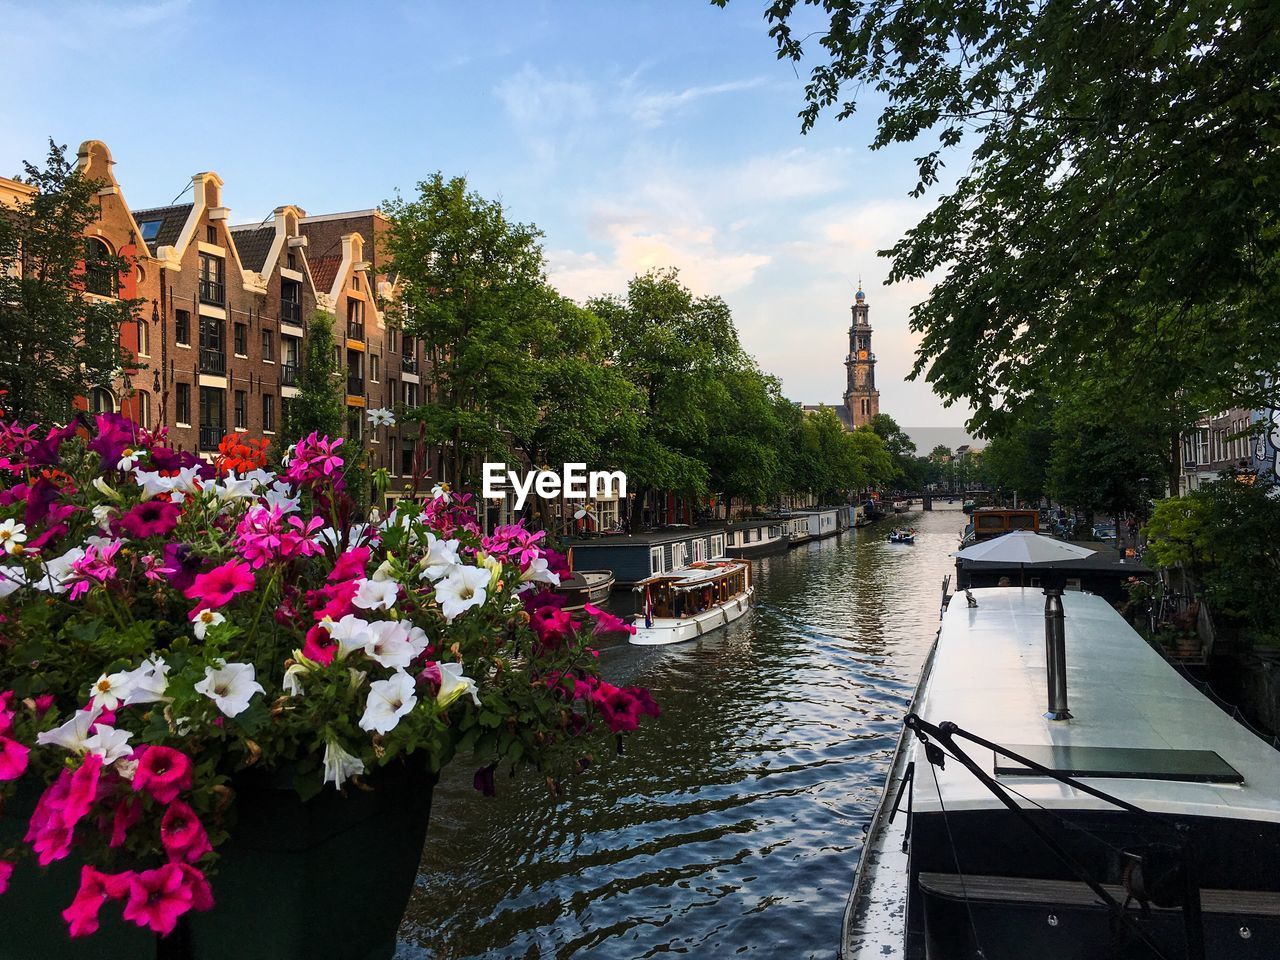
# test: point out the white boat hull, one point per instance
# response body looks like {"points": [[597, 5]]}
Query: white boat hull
{"points": [[677, 630]]}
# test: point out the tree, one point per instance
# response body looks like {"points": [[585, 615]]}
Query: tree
{"points": [[1121, 199], [473, 290], [60, 341], [901, 449], [318, 407], [671, 345], [745, 438], [940, 453], [1018, 461]]}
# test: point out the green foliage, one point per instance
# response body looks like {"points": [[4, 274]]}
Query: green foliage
{"points": [[833, 463], [319, 406], [1120, 203], [59, 341], [1019, 460], [1225, 533], [747, 436], [907, 474]]}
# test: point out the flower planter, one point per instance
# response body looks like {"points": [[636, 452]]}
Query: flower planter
{"points": [[325, 878]]}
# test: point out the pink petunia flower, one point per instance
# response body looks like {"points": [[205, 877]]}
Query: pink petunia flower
{"points": [[96, 888], [162, 772], [606, 622], [82, 791], [127, 813], [97, 565], [157, 898], [220, 585], [182, 834], [6, 871], [151, 518], [351, 565], [13, 759], [320, 645], [619, 708]]}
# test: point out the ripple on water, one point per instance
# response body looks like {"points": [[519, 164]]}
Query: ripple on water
{"points": [[734, 822]]}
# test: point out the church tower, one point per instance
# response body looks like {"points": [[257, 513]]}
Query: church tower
{"points": [[861, 398]]}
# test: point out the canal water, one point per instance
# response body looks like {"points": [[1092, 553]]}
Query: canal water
{"points": [[734, 822]]}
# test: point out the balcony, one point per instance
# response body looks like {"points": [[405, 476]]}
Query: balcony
{"points": [[289, 375], [355, 386], [213, 362], [409, 364], [355, 329], [211, 435], [100, 279], [291, 312], [213, 292]]}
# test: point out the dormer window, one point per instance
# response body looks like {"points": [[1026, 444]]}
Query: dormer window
{"points": [[293, 261], [211, 235], [150, 229]]}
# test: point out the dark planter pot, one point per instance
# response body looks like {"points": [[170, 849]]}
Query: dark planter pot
{"points": [[325, 878]]}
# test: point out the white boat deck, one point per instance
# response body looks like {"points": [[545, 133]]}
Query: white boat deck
{"points": [[988, 677]]}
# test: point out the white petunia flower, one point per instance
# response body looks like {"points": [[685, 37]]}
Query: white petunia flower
{"points": [[11, 578], [109, 743], [539, 572], [205, 619], [109, 691], [102, 514], [73, 734], [381, 417], [234, 488], [282, 495], [148, 682], [339, 766], [389, 700], [375, 594], [454, 685], [292, 682], [259, 477], [389, 644], [461, 590], [441, 558], [230, 686], [12, 536], [350, 634]]}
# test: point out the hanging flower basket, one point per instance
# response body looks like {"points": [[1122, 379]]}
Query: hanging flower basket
{"points": [[278, 685]]}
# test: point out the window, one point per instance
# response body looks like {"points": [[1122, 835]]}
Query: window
{"points": [[101, 400], [355, 319], [99, 276], [268, 413], [699, 550], [373, 368], [290, 354], [717, 545], [183, 412], [355, 423], [355, 281], [182, 332], [213, 348], [150, 229], [211, 235], [144, 410], [242, 340], [144, 339], [355, 373], [393, 392], [655, 559], [242, 410], [406, 458], [269, 346], [411, 394], [678, 556], [391, 339], [212, 426], [291, 301], [292, 260], [212, 273]]}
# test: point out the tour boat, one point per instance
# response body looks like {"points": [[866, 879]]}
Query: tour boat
{"points": [[685, 604], [902, 536], [1136, 820]]}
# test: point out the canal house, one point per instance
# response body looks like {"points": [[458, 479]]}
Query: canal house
{"points": [[633, 557]]}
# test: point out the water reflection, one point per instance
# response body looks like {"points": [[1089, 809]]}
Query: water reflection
{"points": [[734, 823]]}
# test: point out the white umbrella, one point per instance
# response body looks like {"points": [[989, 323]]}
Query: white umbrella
{"points": [[1023, 546]]}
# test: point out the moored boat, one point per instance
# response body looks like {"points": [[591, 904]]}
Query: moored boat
{"points": [[751, 539], [585, 586], [685, 604], [1142, 822], [901, 506]]}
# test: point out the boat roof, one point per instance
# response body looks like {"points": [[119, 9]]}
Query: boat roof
{"points": [[647, 537], [1134, 718], [694, 575]]}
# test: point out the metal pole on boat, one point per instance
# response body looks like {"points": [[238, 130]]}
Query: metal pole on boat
{"points": [[1055, 653]]}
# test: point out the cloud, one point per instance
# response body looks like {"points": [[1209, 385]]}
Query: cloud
{"points": [[653, 108]]}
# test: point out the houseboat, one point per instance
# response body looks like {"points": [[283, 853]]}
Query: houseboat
{"points": [[872, 511], [823, 522], [798, 529], [685, 604], [988, 522], [751, 539], [586, 586], [633, 557], [1131, 819]]}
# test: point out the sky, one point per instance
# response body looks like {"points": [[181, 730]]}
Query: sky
{"points": [[634, 133]]}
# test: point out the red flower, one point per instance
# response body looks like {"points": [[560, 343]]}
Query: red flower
{"points": [[217, 587], [157, 898], [96, 888], [163, 772], [151, 518], [320, 645], [182, 834]]}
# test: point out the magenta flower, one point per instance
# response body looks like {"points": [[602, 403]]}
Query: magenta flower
{"points": [[157, 898], [115, 432], [181, 565], [552, 625], [13, 759], [128, 812], [82, 790], [351, 565], [217, 587], [97, 565], [46, 832], [162, 772], [606, 622], [6, 871], [96, 888], [182, 834], [198, 886], [151, 518], [320, 645], [314, 459], [619, 708]]}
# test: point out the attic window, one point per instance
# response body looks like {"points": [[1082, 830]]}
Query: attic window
{"points": [[211, 235], [150, 229]]}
